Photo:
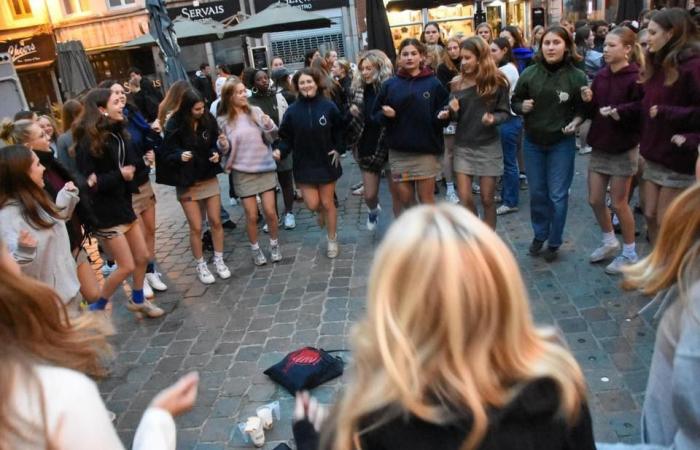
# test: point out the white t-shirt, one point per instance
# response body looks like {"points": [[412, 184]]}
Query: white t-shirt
{"points": [[511, 73], [76, 416]]}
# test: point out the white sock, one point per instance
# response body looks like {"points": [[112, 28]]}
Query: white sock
{"points": [[218, 255], [629, 250], [200, 261], [255, 246], [609, 238], [450, 186], [274, 242]]}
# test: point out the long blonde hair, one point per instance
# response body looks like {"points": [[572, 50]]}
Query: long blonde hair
{"points": [[448, 323], [383, 69], [676, 252]]}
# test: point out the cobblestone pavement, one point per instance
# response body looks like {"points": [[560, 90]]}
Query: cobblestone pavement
{"points": [[231, 331]]}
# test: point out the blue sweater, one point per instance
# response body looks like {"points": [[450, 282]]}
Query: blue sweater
{"points": [[417, 102], [310, 129]]}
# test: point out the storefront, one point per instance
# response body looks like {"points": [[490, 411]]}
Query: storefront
{"points": [[500, 13], [34, 59]]}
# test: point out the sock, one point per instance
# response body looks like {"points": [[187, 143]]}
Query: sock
{"points": [[99, 305], [274, 242], [151, 267], [629, 250], [137, 296], [199, 261], [609, 238], [255, 246], [218, 255], [332, 239]]}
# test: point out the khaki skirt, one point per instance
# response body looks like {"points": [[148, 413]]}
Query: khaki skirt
{"points": [[198, 191], [251, 184], [623, 164], [662, 176], [483, 161], [144, 200], [413, 166], [117, 230]]}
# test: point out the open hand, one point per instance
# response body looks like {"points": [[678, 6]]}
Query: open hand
{"points": [[179, 397], [528, 105], [335, 157], [388, 111]]}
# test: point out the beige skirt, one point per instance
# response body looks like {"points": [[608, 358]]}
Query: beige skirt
{"points": [[251, 184], [144, 200], [117, 230], [413, 166], [483, 161], [199, 191], [623, 164], [662, 176]]}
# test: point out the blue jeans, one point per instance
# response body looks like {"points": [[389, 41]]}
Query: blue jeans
{"points": [[510, 140], [550, 170]]}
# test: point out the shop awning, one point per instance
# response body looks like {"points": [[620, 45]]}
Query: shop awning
{"points": [[188, 32], [401, 5], [280, 17]]}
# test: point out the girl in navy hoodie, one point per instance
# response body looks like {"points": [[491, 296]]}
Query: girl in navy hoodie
{"points": [[671, 82], [312, 130], [615, 155], [412, 105]]}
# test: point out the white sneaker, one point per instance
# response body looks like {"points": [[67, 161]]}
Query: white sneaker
{"points": [[332, 250], [232, 201], [584, 150], [605, 251], [451, 196], [258, 257], [359, 191], [505, 209], [275, 253], [147, 291], [619, 263], [107, 269], [476, 188], [221, 269], [147, 308], [204, 275], [155, 282], [290, 222], [266, 229]]}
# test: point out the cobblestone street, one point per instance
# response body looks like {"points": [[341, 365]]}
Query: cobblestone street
{"points": [[233, 330]]}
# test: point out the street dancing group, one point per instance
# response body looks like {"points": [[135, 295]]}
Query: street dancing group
{"points": [[440, 343]]}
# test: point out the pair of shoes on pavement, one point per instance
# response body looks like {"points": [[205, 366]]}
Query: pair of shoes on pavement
{"points": [[259, 258], [609, 250], [206, 277], [549, 254]]}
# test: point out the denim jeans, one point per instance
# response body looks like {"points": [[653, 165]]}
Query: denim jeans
{"points": [[510, 140], [550, 170]]}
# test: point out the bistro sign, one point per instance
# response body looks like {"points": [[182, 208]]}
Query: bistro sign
{"points": [[29, 50], [307, 5], [218, 11]]}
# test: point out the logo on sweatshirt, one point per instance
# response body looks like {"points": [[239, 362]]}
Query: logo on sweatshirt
{"points": [[322, 121], [426, 95], [205, 135], [563, 96]]}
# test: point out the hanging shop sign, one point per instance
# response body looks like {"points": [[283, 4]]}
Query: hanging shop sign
{"points": [[29, 50], [306, 5], [213, 10]]}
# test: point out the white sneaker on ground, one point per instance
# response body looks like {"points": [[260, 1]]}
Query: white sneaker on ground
{"points": [[451, 196], [290, 222], [266, 229], [204, 275], [505, 209], [221, 269], [605, 251], [332, 251], [107, 269], [359, 191], [619, 263], [476, 189], [275, 253], [147, 308], [584, 150], [373, 218], [155, 282], [258, 257], [147, 291]]}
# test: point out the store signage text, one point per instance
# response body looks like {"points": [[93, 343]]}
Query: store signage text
{"points": [[213, 10], [307, 5], [29, 50]]}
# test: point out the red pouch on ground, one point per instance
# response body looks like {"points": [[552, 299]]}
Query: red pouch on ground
{"points": [[305, 369]]}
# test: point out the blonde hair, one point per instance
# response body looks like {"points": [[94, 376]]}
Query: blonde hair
{"points": [[676, 253], [16, 132], [383, 69], [435, 53], [458, 333], [446, 60]]}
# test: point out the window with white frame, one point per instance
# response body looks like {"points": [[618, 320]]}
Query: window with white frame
{"points": [[120, 3]]}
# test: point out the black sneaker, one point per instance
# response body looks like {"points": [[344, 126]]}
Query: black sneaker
{"points": [[207, 243], [229, 225], [550, 254], [535, 247]]}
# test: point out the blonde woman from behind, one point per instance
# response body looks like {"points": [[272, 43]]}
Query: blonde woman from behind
{"points": [[448, 356]]}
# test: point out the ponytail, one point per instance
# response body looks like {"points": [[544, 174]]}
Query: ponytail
{"points": [[15, 132], [628, 37], [7, 127]]}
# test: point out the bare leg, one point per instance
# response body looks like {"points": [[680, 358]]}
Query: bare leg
{"points": [[407, 194], [139, 253], [597, 186], [488, 190], [194, 220], [269, 201], [464, 191], [371, 183], [89, 286], [118, 247], [213, 205], [619, 194], [250, 206], [666, 197], [394, 191], [426, 191], [326, 192], [651, 199]]}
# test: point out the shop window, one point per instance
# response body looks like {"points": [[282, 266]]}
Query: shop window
{"points": [[454, 20], [292, 50], [120, 3], [20, 8], [76, 6]]}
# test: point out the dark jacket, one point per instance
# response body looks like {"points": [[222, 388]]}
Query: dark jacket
{"points": [[310, 129], [445, 74], [556, 91], [111, 196], [655, 144], [417, 102], [529, 422], [178, 139], [55, 177], [367, 144], [147, 100], [613, 89], [143, 139], [205, 87]]}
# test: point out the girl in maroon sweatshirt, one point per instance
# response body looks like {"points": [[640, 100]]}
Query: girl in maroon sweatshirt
{"points": [[671, 82], [615, 145]]}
